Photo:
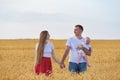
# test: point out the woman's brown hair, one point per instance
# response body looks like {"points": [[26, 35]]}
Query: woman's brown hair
{"points": [[41, 45]]}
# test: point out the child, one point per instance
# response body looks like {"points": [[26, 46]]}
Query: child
{"points": [[44, 52], [81, 52]]}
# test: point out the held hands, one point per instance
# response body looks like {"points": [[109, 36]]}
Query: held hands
{"points": [[62, 65]]}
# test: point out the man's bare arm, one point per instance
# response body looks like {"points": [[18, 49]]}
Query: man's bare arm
{"points": [[65, 54], [87, 52]]}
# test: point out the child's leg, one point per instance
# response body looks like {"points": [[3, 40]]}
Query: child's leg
{"points": [[79, 57], [88, 63]]}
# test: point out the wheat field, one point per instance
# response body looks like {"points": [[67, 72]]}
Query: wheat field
{"points": [[17, 60]]}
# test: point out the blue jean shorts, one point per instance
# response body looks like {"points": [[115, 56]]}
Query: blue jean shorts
{"points": [[74, 67]]}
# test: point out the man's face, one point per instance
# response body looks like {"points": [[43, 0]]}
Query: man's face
{"points": [[77, 31]]}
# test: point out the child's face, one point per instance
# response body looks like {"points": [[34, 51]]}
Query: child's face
{"points": [[87, 41]]}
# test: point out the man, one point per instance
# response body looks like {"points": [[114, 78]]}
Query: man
{"points": [[72, 44]]}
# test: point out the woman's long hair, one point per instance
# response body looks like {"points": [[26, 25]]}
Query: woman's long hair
{"points": [[41, 45]]}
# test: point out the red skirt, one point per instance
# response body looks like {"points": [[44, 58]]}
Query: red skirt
{"points": [[44, 67]]}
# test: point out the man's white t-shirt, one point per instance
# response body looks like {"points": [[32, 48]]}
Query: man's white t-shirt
{"points": [[73, 43], [47, 49]]}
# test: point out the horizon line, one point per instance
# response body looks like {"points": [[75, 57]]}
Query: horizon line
{"points": [[50, 39]]}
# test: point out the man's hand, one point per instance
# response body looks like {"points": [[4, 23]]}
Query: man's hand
{"points": [[80, 46]]}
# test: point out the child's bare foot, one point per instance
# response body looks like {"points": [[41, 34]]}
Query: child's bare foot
{"points": [[89, 65]]}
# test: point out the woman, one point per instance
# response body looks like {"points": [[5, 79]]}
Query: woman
{"points": [[44, 52]]}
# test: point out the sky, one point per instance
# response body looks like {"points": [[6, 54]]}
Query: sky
{"points": [[25, 19]]}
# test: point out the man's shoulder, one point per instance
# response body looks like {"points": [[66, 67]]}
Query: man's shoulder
{"points": [[74, 39], [88, 46], [71, 38]]}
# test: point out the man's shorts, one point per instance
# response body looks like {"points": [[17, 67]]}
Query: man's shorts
{"points": [[74, 67]]}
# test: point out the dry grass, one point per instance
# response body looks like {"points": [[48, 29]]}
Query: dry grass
{"points": [[17, 59]]}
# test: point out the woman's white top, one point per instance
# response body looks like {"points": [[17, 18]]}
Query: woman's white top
{"points": [[47, 49]]}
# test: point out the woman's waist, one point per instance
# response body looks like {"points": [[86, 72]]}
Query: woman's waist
{"points": [[46, 57]]}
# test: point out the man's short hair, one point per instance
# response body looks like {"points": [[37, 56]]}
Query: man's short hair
{"points": [[80, 26]]}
